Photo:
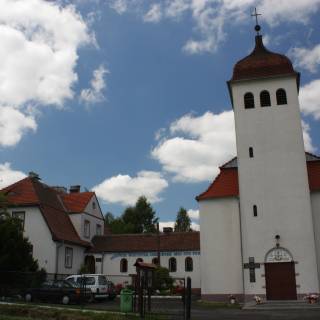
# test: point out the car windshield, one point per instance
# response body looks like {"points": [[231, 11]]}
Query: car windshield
{"points": [[102, 280]]}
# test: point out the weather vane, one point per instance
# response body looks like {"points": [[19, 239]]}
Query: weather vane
{"points": [[256, 14]]}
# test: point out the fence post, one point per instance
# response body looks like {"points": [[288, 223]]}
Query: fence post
{"points": [[188, 300]]}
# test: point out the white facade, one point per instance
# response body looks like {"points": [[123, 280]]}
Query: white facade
{"points": [[275, 180], [110, 264], [221, 262], [274, 213], [49, 254]]}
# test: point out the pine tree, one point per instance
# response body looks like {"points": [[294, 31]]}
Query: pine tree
{"points": [[183, 222]]}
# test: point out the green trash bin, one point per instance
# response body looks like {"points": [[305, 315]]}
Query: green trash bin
{"points": [[126, 300]]}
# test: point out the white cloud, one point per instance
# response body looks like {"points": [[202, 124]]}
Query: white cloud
{"points": [[125, 189], [193, 214], [307, 138], [308, 59], [38, 55], [120, 6], [211, 16], [13, 124], [154, 14], [170, 224], [98, 84], [310, 99], [9, 176], [197, 146]]}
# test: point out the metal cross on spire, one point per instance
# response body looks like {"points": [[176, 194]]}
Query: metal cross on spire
{"points": [[256, 14]]}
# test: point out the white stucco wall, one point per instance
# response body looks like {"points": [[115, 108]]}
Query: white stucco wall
{"points": [[38, 233], [77, 261], [315, 203], [221, 265], [275, 180], [111, 264]]}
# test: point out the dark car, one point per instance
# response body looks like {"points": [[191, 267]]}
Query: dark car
{"points": [[60, 291]]}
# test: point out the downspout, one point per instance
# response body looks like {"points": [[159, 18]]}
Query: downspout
{"points": [[102, 260], [59, 245], [241, 250]]}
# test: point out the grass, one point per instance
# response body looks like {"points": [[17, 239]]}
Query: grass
{"points": [[23, 312], [216, 305]]}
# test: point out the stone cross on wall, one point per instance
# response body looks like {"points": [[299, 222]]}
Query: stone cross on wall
{"points": [[252, 266]]}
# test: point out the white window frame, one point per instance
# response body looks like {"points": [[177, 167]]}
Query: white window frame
{"points": [[68, 257], [86, 229], [98, 229]]}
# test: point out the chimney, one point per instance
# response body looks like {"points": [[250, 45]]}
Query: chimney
{"points": [[34, 175], [75, 189], [167, 229]]}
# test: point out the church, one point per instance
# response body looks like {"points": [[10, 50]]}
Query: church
{"points": [[260, 218]]}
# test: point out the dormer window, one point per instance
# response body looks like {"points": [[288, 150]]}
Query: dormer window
{"points": [[248, 100], [281, 97], [265, 98]]}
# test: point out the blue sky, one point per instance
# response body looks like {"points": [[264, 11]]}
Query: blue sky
{"points": [[129, 97]]}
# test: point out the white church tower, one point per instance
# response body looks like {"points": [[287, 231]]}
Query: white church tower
{"points": [[268, 207], [275, 208]]}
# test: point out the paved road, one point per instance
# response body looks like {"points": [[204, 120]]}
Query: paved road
{"points": [[235, 314], [174, 307]]}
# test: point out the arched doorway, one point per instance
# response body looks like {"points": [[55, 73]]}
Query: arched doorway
{"points": [[90, 263], [280, 275]]}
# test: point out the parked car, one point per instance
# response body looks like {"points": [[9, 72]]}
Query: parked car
{"points": [[99, 285], [58, 291]]}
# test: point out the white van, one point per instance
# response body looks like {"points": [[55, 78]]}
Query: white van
{"points": [[100, 287]]}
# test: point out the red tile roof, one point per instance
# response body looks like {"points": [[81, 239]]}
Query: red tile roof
{"points": [[76, 202], [175, 241], [226, 183], [31, 192], [262, 63], [314, 175]]}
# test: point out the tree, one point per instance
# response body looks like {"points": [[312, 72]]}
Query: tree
{"points": [[108, 218], [139, 218], [146, 215], [15, 249], [162, 279], [183, 222]]}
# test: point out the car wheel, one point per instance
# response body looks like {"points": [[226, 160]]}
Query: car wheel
{"points": [[65, 300], [28, 297]]}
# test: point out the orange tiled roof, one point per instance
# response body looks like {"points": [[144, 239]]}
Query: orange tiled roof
{"points": [[32, 192], [174, 241], [76, 202], [262, 63]]}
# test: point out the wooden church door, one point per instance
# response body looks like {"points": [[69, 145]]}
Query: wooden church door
{"points": [[280, 281]]}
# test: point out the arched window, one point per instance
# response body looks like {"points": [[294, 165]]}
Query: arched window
{"points": [[281, 96], [188, 264], [139, 260], [155, 261], [265, 99], [248, 100], [172, 265], [123, 265]]}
